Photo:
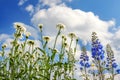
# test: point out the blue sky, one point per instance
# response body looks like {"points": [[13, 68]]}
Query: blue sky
{"points": [[105, 9], [12, 12]]}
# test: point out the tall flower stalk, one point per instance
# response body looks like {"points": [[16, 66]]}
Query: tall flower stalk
{"points": [[111, 64], [84, 63], [71, 53], [98, 55], [41, 32]]}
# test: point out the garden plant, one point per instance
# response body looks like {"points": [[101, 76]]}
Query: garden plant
{"points": [[24, 61]]}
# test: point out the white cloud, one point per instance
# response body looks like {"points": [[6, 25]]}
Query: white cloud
{"points": [[7, 41], [21, 2], [116, 39], [4, 37], [78, 21], [51, 3], [30, 8]]}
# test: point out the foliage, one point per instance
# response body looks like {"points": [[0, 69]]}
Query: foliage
{"points": [[25, 61]]}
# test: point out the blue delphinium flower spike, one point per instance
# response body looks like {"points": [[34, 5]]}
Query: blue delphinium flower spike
{"points": [[111, 64], [84, 62], [98, 55]]}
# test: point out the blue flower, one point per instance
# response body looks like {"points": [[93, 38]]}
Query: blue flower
{"points": [[107, 65], [100, 46], [102, 56], [84, 59], [110, 58], [97, 51], [81, 63], [114, 65], [81, 68], [87, 65], [118, 71]]}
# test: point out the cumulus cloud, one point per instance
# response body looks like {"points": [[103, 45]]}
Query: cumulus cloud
{"points": [[21, 2], [78, 21], [30, 8], [116, 39], [51, 3], [4, 37]]}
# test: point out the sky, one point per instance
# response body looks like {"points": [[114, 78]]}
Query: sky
{"points": [[79, 16], [11, 11]]}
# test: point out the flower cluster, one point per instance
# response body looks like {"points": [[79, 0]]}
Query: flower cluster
{"points": [[118, 71], [19, 26], [97, 48], [4, 46], [84, 63], [30, 42], [110, 58], [60, 26], [111, 64], [46, 38], [27, 34], [72, 35], [84, 59], [20, 30]]}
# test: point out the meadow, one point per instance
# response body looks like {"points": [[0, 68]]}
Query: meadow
{"points": [[25, 61]]}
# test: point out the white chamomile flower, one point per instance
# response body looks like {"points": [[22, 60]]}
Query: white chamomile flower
{"points": [[72, 35], [19, 26], [40, 26], [4, 45], [27, 34], [46, 38], [60, 26]]}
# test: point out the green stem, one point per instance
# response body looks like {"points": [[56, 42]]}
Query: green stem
{"points": [[69, 53], [70, 44], [100, 71], [112, 74], [56, 38], [41, 37], [24, 45], [11, 67], [86, 78]]}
